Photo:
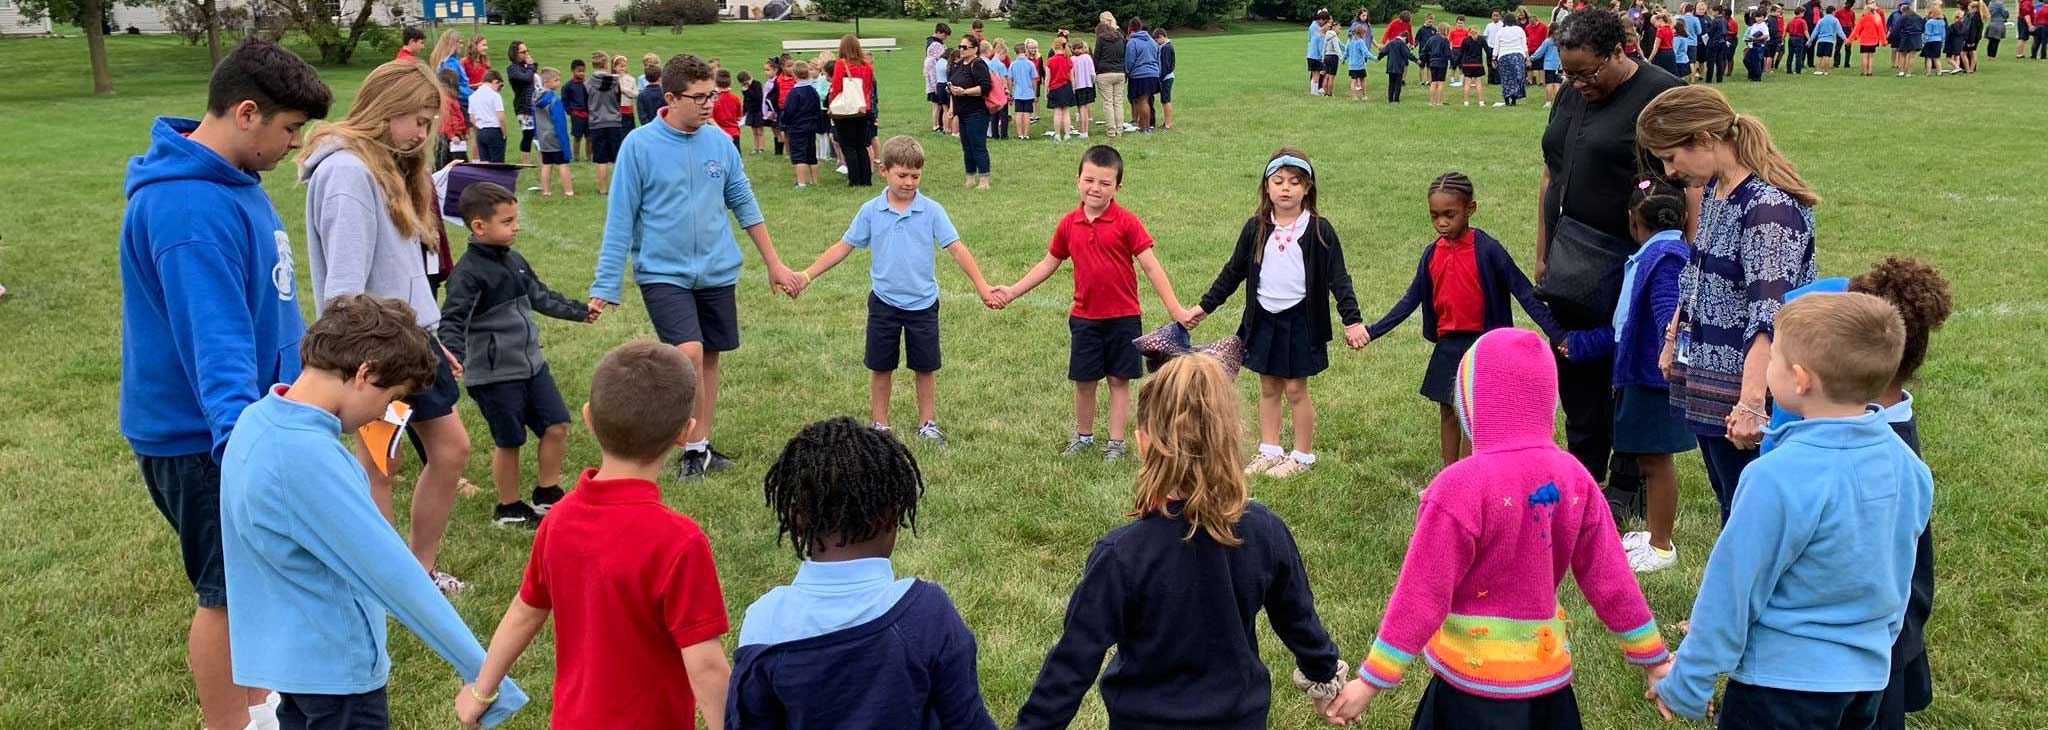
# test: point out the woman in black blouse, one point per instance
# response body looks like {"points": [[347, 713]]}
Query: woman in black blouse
{"points": [[969, 83]]}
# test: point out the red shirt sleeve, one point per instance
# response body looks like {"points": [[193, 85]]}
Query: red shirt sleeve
{"points": [[1058, 249], [533, 590], [1135, 236], [692, 603]]}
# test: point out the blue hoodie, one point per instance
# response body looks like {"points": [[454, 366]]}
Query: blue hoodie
{"points": [[1141, 56], [461, 78], [670, 194], [313, 566], [1806, 589], [1357, 53], [209, 296]]}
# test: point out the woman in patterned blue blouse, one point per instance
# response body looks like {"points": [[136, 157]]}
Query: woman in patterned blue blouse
{"points": [[1754, 244]]}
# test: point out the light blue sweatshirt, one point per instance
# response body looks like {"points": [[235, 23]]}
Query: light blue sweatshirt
{"points": [[1937, 30], [1806, 589], [312, 566], [1357, 53], [1547, 54], [1829, 30], [670, 193]]}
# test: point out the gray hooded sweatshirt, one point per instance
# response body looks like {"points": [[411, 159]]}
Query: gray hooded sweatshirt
{"points": [[352, 243]]}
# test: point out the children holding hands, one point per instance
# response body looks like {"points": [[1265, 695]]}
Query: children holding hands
{"points": [[1291, 265], [1103, 239], [631, 584], [1494, 537], [899, 227]]}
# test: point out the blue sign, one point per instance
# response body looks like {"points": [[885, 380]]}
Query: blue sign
{"points": [[453, 9]]}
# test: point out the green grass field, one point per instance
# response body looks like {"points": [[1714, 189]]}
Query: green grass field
{"points": [[1946, 169]]}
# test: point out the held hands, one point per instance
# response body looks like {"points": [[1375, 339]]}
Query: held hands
{"points": [[1356, 336], [597, 308], [1192, 318], [1003, 295], [782, 279], [994, 297], [1651, 675], [454, 363], [1351, 703], [1745, 425], [468, 709]]}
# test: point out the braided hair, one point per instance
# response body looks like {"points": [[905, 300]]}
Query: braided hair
{"points": [[1453, 183], [840, 480], [1658, 205]]}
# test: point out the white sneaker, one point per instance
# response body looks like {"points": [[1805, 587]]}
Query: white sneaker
{"points": [[1084, 135], [1457, 84], [1632, 540], [842, 169], [1651, 560], [1498, 104], [1264, 463], [448, 584], [1128, 127], [1546, 105], [1468, 103]]}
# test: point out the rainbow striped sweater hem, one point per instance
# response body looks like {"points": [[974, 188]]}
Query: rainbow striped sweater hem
{"points": [[1502, 658]]}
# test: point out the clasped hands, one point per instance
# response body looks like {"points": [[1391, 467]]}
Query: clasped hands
{"points": [[1351, 704], [1355, 335]]}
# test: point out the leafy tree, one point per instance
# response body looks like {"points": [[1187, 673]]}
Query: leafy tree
{"points": [[89, 14], [314, 18], [847, 9]]}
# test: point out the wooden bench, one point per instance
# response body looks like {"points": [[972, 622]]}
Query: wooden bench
{"points": [[832, 44]]}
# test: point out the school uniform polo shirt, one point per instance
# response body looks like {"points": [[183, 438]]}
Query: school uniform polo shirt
{"points": [[1105, 280], [1454, 280], [631, 583], [900, 245]]}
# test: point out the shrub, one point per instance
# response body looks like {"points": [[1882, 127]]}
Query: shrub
{"points": [[1480, 8], [843, 9], [516, 12], [666, 13], [1080, 15], [1343, 10]]}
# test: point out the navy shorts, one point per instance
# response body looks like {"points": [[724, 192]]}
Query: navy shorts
{"points": [[1025, 106], [1357, 73], [1060, 98], [1330, 64], [708, 316], [1437, 74], [440, 399], [803, 149], [1930, 49], [1084, 97], [186, 489], [1553, 78], [557, 157], [1315, 65], [1166, 91], [365, 711], [514, 407], [604, 144], [1645, 424], [579, 127], [525, 139], [1102, 347], [912, 332], [1749, 707]]}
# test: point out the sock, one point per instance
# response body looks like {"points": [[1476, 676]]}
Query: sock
{"points": [[1305, 459], [1116, 442], [1662, 553], [1086, 438], [934, 423], [700, 447], [264, 716], [879, 426], [1270, 450]]}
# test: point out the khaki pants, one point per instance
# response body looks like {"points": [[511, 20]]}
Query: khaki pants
{"points": [[1111, 89]]}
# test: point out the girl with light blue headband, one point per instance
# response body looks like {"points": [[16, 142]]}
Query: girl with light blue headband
{"points": [[1291, 266]]}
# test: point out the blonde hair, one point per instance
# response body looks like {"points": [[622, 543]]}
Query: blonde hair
{"points": [[394, 89], [1680, 117], [1059, 45], [902, 151], [650, 59], [1852, 341], [449, 43], [1105, 19], [1187, 416]]}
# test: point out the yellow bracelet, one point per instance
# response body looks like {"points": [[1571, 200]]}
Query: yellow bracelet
{"points": [[806, 275], [480, 698]]}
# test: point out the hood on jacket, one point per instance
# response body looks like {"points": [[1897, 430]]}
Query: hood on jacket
{"points": [[1507, 391], [173, 156], [310, 159]]}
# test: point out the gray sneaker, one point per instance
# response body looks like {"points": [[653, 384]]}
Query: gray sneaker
{"points": [[930, 432], [1113, 451], [1076, 445]]}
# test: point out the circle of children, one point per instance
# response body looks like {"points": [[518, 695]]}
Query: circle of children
{"points": [[237, 412], [1698, 43]]}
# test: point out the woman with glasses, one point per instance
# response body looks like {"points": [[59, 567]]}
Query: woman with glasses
{"points": [[969, 82], [522, 72], [1590, 161]]}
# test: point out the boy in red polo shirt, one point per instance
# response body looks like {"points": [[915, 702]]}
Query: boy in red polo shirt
{"points": [[1103, 240], [638, 612]]}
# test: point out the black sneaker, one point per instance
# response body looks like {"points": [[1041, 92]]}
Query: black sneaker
{"points": [[516, 514], [718, 461], [691, 467], [544, 498]]}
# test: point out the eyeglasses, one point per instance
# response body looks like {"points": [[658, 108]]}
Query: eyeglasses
{"points": [[1578, 79], [699, 99]]}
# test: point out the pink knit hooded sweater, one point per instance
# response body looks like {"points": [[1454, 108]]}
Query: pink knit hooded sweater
{"points": [[1495, 534]]}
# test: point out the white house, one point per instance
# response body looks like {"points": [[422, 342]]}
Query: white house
{"points": [[12, 22]]}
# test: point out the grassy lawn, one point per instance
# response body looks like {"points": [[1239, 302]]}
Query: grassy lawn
{"points": [[1933, 167]]}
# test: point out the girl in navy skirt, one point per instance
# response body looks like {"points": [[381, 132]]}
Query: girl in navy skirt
{"points": [[1291, 265], [1462, 285], [1644, 424]]}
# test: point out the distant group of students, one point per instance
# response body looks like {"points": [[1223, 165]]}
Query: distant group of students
{"points": [[1510, 52], [240, 441]]}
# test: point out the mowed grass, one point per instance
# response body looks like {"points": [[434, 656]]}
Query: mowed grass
{"points": [[1939, 168]]}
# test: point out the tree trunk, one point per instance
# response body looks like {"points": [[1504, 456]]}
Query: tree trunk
{"points": [[93, 16], [210, 9]]}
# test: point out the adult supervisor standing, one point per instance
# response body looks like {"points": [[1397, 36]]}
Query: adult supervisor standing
{"points": [[1109, 73], [1590, 163]]}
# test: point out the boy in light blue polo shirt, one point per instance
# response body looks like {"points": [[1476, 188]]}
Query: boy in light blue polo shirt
{"points": [[898, 228], [1024, 89]]}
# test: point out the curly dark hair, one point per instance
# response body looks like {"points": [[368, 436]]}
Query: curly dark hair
{"points": [[1921, 295], [1599, 31], [1658, 204], [842, 481]]}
